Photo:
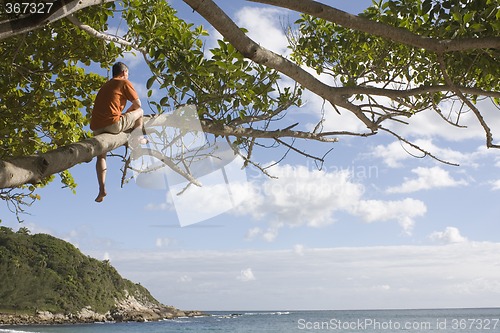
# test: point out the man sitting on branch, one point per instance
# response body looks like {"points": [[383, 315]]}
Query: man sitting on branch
{"points": [[107, 116]]}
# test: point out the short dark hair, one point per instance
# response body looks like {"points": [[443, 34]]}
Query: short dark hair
{"points": [[118, 68]]}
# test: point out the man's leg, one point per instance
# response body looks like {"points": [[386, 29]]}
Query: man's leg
{"points": [[139, 122], [132, 120], [100, 168]]}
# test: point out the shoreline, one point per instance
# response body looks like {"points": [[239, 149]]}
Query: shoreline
{"points": [[87, 316]]}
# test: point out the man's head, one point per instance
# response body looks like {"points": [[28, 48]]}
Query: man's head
{"points": [[120, 69]]}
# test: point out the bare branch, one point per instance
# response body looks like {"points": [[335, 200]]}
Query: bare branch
{"points": [[466, 101], [101, 35], [425, 152], [301, 152], [226, 130], [168, 162]]}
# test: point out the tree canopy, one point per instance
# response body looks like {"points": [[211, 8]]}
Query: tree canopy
{"points": [[396, 59]]}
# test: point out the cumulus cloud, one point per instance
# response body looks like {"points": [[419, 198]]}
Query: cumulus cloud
{"points": [[396, 152], [299, 249], [263, 25], [429, 124], [495, 185], [301, 196], [403, 211], [164, 242], [427, 178], [449, 236], [246, 275], [304, 197]]}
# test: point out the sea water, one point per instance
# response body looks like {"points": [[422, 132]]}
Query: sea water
{"points": [[367, 321]]}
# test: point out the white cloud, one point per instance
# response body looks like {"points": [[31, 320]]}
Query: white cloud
{"points": [[246, 275], [159, 206], [403, 211], [394, 153], [495, 185], [264, 27], [428, 124], [427, 178], [452, 275], [185, 279], [300, 196], [164, 242], [299, 249], [449, 236], [252, 233]]}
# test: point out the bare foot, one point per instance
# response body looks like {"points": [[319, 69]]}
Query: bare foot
{"points": [[100, 196]]}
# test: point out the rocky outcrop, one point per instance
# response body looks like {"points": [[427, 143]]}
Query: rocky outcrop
{"points": [[126, 309]]}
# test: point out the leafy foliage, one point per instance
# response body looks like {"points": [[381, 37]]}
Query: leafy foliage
{"points": [[221, 82], [44, 87], [46, 94], [451, 19], [361, 59], [41, 272]]}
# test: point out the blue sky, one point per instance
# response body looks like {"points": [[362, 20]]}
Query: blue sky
{"points": [[375, 228]]}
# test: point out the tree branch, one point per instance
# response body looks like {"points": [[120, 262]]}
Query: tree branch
{"points": [[237, 131], [477, 113], [32, 169], [425, 152], [395, 34], [253, 51], [59, 10], [101, 35]]}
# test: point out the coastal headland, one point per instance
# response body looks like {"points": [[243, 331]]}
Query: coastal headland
{"points": [[45, 280]]}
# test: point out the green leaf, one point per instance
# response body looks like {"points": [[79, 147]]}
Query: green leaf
{"points": [[150, 82]]}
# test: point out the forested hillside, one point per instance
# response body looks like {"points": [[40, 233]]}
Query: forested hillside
{"points": [[42, 273]]}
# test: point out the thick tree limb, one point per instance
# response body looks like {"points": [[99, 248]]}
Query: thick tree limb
{"points": [[33, 169], [59, 10], [253, 51], [395, 34]]}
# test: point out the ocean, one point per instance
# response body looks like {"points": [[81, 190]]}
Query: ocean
{"points": [[367, 321]]}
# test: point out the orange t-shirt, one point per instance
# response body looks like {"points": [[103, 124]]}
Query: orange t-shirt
{"points": [[110, 102]]}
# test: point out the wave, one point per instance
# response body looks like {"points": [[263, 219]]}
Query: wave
{"points": [[239, 314], [6, 330], [276, 313]]}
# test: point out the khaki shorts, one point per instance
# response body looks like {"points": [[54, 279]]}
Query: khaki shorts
{"points": [[125, 123]]}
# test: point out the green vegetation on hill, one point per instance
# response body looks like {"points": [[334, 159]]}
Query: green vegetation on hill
{"points": [[41, 272]]}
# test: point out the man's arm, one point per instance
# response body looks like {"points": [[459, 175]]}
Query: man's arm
{"points": [[136, 104]]}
